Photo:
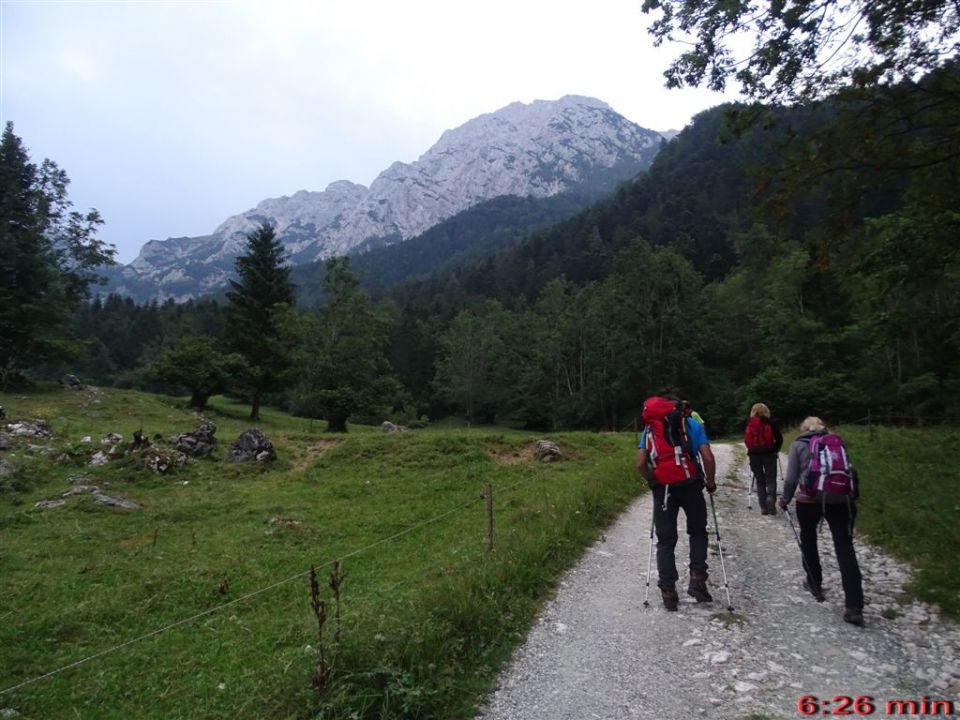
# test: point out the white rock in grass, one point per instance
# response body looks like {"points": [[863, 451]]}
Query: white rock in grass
{"points": [[49, 504], [81, 490], [112, 501]]}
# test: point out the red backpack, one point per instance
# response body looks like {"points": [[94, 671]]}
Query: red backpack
{"points": [[667, 442], [759, 435]]}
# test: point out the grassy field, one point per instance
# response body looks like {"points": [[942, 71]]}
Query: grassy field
{"points": [[218, 555]]}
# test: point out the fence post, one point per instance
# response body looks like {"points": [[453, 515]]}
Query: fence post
{"points": [[489, 517]]}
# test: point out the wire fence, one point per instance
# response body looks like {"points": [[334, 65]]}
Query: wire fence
{"points": [[477, 499]]}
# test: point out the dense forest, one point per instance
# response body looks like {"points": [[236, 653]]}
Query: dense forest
{"points": [[802, 256]]}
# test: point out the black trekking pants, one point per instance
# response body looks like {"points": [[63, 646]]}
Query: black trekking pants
{"points": [[764, 469], [690, 498], [840, 517]]}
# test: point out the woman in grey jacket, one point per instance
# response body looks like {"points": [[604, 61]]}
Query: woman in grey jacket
{"points": [[839, 511]]}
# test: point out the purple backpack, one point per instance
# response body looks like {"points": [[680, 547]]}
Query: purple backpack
{"points": [[830, 470]]}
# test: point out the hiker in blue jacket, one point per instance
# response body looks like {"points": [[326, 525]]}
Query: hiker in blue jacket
{"points": [[673, 493], [839, 511]]}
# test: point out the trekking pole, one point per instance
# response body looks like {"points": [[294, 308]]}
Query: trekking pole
{"points": [[814, 588], [646, 593], [716, 527], [753, 480], [783, 480]]}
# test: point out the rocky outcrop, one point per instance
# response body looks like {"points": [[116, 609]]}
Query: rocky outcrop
{"points": [[198, 443], [160, 460], [547, 451], [252, 445], [30, 428], [538, 149]]}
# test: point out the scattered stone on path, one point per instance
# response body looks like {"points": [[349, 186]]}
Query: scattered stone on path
{"points": [[547, 451], [389, 427], [252, 445], [198, 443], [720, 657], [80, 479], [789, 646], [99, 458], [6, 468], [5, 441]]}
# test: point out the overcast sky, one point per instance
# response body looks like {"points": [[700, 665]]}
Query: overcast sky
{"points": [[171, 116]]}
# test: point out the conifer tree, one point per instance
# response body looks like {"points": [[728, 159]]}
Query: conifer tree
{"points": [[47, 257], [258, 300]]}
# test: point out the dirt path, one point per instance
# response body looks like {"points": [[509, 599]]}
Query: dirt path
{"points": [[596, 652]]}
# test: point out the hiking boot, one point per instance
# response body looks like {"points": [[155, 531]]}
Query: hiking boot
{"points": [[854, 616], [671, 601], [818, 593], [698, 588]]}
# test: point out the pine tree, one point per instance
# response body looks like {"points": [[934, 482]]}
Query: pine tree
{"points": [[47, 257], [258, 300]]}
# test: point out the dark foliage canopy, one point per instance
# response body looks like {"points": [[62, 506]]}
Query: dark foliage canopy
{"points": [[805, 49], [48, 257]]}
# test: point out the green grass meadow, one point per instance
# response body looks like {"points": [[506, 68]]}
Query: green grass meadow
{"points": [[218, 558]]}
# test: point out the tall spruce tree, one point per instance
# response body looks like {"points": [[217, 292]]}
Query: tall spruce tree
{"points": [[258, 300], [47, 257]]}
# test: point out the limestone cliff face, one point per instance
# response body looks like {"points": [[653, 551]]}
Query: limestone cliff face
{"points": [[537, 149]]}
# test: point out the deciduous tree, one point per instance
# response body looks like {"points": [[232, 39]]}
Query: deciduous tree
{"points": [[197, 364], [343, 368]]}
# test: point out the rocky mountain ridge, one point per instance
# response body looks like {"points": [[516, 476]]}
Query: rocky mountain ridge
{"points": [[538, 149]]}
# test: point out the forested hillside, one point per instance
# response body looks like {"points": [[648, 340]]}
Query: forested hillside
{"points": [[805, 257], [468, 236]]}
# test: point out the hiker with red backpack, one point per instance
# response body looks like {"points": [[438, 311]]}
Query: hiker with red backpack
{"points": [[763, 440], [675, 458], [825, 482]]}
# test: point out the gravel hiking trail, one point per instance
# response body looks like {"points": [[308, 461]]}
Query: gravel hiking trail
{"points": [[597, 653]]}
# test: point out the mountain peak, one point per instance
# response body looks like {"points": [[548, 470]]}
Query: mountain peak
{"points": [[535, 149]]}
